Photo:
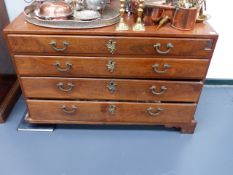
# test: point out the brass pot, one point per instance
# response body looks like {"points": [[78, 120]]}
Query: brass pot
{"points": [[54, 10]]}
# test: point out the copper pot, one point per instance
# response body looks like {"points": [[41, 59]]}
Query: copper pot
{"points": [[185, 19], [55, 10]]}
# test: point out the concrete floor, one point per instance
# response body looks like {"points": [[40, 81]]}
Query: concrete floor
{"points": [[83, 150]]}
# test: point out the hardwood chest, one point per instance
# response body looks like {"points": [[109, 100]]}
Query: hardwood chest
{"points": [[101, 76]]}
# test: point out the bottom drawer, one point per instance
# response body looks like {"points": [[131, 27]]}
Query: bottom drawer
{"points": [[92, 112]]}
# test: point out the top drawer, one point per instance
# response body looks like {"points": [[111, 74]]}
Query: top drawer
{"points": [[81, 45]]}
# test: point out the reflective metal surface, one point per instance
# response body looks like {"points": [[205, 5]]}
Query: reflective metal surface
{"points": [[60, 69], [51, 10], [158, 45], [53, 44], [164, 70], [109, 16], [153, 112], [111, 66], [111, 45], [112, 109]]}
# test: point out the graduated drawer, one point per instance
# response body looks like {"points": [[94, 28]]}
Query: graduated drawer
{"points": [[111, 89], [46, 111], [102, 45], [169, 68]]}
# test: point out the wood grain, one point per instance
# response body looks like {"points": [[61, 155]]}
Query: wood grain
{"points": [[134, 90], [125, 67], [182, 70], [43, 111], [96, 45]]}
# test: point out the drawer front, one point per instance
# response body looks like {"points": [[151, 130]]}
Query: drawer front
{"points": [[44, 111], [168, 68], [111, 89], [53, 44]]}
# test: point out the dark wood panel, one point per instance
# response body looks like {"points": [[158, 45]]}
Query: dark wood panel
{"points": [[124, 67], [43, 111], [6, 65], [97, 45], [9, 87], [134, 90]]}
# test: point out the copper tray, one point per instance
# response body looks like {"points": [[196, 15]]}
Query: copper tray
{"points": [[109, 16]]}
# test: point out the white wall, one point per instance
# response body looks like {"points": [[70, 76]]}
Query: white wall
{"points": [[222, 62]]}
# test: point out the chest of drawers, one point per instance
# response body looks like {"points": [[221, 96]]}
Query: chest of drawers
{"points": [[102, 76]]}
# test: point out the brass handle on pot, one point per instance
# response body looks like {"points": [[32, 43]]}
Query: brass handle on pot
{"points": [[157, 46], [69, 87], [53, 44], [165, 68], [69, 111], [154, 114], [155, 92], [60, 69]]}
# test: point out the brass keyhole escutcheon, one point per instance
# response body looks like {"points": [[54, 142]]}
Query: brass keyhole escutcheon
{"points": [[111, 45], [112, 109], [111, 66], [112, 86]]}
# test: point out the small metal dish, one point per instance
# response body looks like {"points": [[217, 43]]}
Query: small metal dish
{"points": [[86, 15], [202, 18], [54, 10]]}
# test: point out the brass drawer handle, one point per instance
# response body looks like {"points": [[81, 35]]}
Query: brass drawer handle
{"points": [[165, 68], [156, 92], [157, 46], [60, 69], [156, 113], [111, 66], [68, 88], [53, 44], [112, 86], [69, 111], [111, 46], [112, 109]]}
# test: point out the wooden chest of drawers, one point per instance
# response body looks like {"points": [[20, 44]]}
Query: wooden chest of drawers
{"points": [[101, 76]]}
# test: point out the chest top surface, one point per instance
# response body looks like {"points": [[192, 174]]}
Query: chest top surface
{"points": [[203, 30]]}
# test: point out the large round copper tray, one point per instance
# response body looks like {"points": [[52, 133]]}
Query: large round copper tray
{"points": [[110, 16]]}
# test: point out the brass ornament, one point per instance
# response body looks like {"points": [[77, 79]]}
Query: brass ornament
{"points": [[66, 88], [122, 26], [60, 69], [111, 66], [153, 113], [112, 86], [139, 26], [111, 46], [157, 70], [112, 109], [155, 91], [53, 44]]}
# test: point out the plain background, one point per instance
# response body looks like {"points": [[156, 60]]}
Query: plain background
{"points": [[220, 11]]}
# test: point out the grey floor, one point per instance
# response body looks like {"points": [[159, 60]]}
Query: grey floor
{"points": [[125, 151]]}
